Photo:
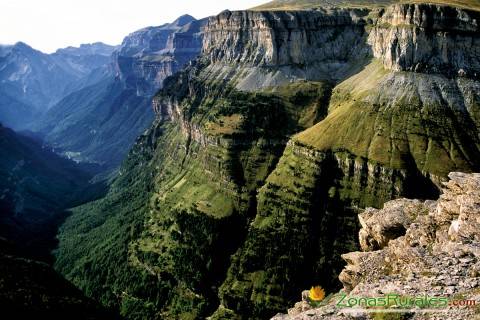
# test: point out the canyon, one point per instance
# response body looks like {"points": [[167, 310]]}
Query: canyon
{"points": [[264, 149]]}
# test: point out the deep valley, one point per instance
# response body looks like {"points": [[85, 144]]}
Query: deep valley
{"points": [[216, 168]]}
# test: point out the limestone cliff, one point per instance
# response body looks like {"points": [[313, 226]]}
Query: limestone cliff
{"points": [[259, 49], [427, 38], [387, 134]]}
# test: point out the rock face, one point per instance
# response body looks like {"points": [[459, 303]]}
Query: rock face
{"points": [[437, 254], [427, 38], [398, 215], [367, 150], [148, 56], [261, 49], [282, 38], [263, 152]]}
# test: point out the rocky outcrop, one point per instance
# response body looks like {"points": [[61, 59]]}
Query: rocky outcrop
{"points": [[436, 254], [427, 38], [397, 217]]}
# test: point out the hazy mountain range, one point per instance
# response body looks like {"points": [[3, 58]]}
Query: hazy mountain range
{"points": [[32, 82], [100, 122]]}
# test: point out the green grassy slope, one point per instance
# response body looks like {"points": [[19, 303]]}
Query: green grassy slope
{"points": [[94, 241], [214, 213], [213, 182], [387, 135], [386, 118]]}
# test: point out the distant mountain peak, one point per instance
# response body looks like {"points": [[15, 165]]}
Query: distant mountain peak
{"points": [[183, 20], [20, 45], [153, 38]]}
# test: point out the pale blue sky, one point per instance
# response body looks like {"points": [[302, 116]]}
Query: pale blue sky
{"points": [[50, 24]]}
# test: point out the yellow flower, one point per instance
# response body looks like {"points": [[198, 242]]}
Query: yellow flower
{"points": [[317, 293]]}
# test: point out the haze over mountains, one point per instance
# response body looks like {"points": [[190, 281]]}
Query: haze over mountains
{"points": [[100, 122], [90, 103], [247, 144], [31, 81]]}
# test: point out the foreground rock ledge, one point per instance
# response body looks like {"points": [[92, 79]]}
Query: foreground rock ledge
{"points": [[414, 248]]}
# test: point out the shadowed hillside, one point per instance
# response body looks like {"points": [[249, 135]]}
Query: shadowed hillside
{"points": [[36, 187]]}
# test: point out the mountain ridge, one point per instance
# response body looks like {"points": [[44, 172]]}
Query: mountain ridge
{"points": [[312, 4], [32, 81]]}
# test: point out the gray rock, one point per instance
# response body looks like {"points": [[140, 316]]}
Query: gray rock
{"points": [[402, 259], [405, 36], [148, 56]]}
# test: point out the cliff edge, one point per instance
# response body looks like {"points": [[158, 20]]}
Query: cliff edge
{"points": [[414, 248]]}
